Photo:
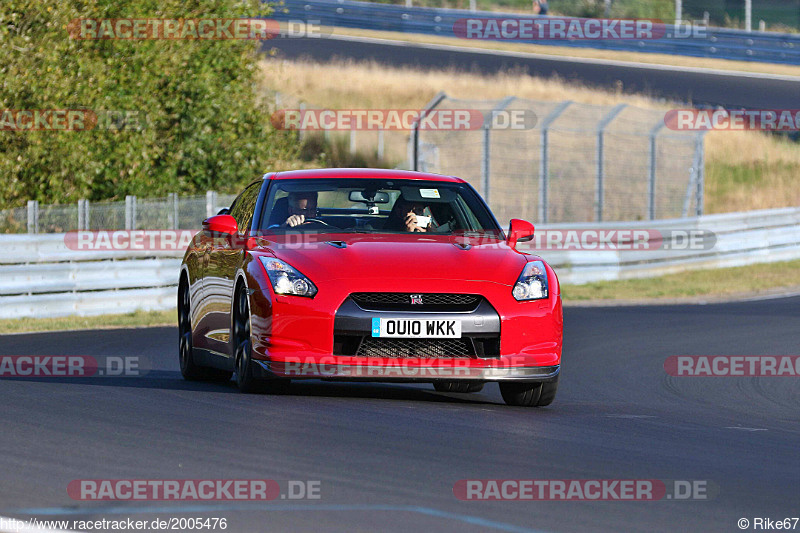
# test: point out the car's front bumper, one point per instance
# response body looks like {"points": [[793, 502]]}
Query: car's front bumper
{"points": [[350, 368], [297, 337]]}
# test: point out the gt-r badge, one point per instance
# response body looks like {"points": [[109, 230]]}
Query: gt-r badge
{"points": [[416, 299]]}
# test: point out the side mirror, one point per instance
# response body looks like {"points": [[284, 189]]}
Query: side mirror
{"points": [[519, 231], [224, 224]]}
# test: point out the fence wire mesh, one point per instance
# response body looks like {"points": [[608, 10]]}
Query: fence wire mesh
{"points": [[574, 163], [170, 212]]}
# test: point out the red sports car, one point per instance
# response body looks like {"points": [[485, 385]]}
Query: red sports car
{"points": [[372, 275]]}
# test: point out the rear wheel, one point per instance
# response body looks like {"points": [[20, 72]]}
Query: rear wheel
{"points": [[243, 350], [190, 370], [458, 386], [529, 394]]}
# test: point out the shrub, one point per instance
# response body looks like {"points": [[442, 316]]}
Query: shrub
{"points": [[203, 126]]}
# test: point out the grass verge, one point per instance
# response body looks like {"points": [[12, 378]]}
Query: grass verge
{"points": [[717, 283], [136, 319], [723, 283]]}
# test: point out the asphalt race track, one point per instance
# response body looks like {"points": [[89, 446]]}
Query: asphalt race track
{"points": [[387, 456], [707, 88]]}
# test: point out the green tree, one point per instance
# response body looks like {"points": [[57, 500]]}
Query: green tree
{"points": [[201, 125]]}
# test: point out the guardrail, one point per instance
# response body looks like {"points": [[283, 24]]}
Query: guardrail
{"points": [[41, 277], [713, 42]]}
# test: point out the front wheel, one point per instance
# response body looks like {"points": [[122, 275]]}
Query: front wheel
{"points": [[243, 349], [529, 394]]}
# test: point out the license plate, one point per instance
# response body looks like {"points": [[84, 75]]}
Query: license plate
{"points": [[414, 328]]}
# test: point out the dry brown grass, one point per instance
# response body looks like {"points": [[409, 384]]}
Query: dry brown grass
{"points": [[744, 170], [371, 85], [748, 170]]}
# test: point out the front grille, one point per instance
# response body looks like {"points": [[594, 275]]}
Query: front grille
{"points": [[401, 301], [375, 347]]}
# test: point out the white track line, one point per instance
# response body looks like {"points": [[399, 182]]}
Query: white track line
{"points": [[567, 59]]}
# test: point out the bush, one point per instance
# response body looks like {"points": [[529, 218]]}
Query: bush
{"points": [[335, 152], [653, 9], [203, 126]]}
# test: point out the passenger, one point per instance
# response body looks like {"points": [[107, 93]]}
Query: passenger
{"points": [[409, 216]]}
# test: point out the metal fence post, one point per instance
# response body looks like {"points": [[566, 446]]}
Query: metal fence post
{"points": [[33, 216], [130, 212], [352, 140], [433, 103], [81, 216], [173, 196], [211, 203], [486, 159], [544, 149], [380, 143], [700, 157], [651, 184], [601, 126], [486, 155], [300, 130]]}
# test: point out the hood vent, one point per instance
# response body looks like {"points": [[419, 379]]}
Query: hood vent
{"points": [[337, 244]]}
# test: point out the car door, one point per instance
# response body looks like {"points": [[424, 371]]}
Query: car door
{"points": [[225, 255]]}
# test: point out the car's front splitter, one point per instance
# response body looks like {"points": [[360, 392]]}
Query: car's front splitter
{"points": [[351, 368]]}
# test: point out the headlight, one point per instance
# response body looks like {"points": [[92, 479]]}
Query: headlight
{"points": [[286, 279], [532, 283]]}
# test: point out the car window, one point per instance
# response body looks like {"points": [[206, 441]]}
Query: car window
{"points": [[244, 205], [378, 206]]}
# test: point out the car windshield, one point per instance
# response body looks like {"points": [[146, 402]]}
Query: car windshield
{"points": [[376, 206]]}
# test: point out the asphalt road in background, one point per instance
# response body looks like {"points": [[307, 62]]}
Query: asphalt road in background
{"points": [[387, 456], [705, 88]]}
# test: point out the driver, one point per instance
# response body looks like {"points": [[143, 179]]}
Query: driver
{"points": [[301, 205]]}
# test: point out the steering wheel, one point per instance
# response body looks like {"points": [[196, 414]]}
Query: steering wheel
{"points": [[317, 221]]}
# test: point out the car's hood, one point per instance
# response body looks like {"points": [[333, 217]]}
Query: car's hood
{"points": [[380, 256]]}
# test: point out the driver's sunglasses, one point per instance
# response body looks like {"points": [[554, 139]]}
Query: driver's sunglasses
{"points": [[304, 210]]}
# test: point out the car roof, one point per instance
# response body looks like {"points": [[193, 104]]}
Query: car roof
{"points": [[374, 173]]}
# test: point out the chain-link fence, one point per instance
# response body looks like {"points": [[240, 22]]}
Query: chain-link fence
{"points": [[388, 146], [170, 212], [571, 163]]}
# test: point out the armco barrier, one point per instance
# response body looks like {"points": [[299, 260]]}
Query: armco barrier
{"points": [[712, 42], [41, 277]]}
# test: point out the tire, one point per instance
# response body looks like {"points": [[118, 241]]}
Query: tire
{"points": [[458, 386], [529, 394], [190, 370], [243, 348]]}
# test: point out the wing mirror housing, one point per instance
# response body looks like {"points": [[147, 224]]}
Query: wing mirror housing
{"points": [[519, 231], [223, 224]]}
